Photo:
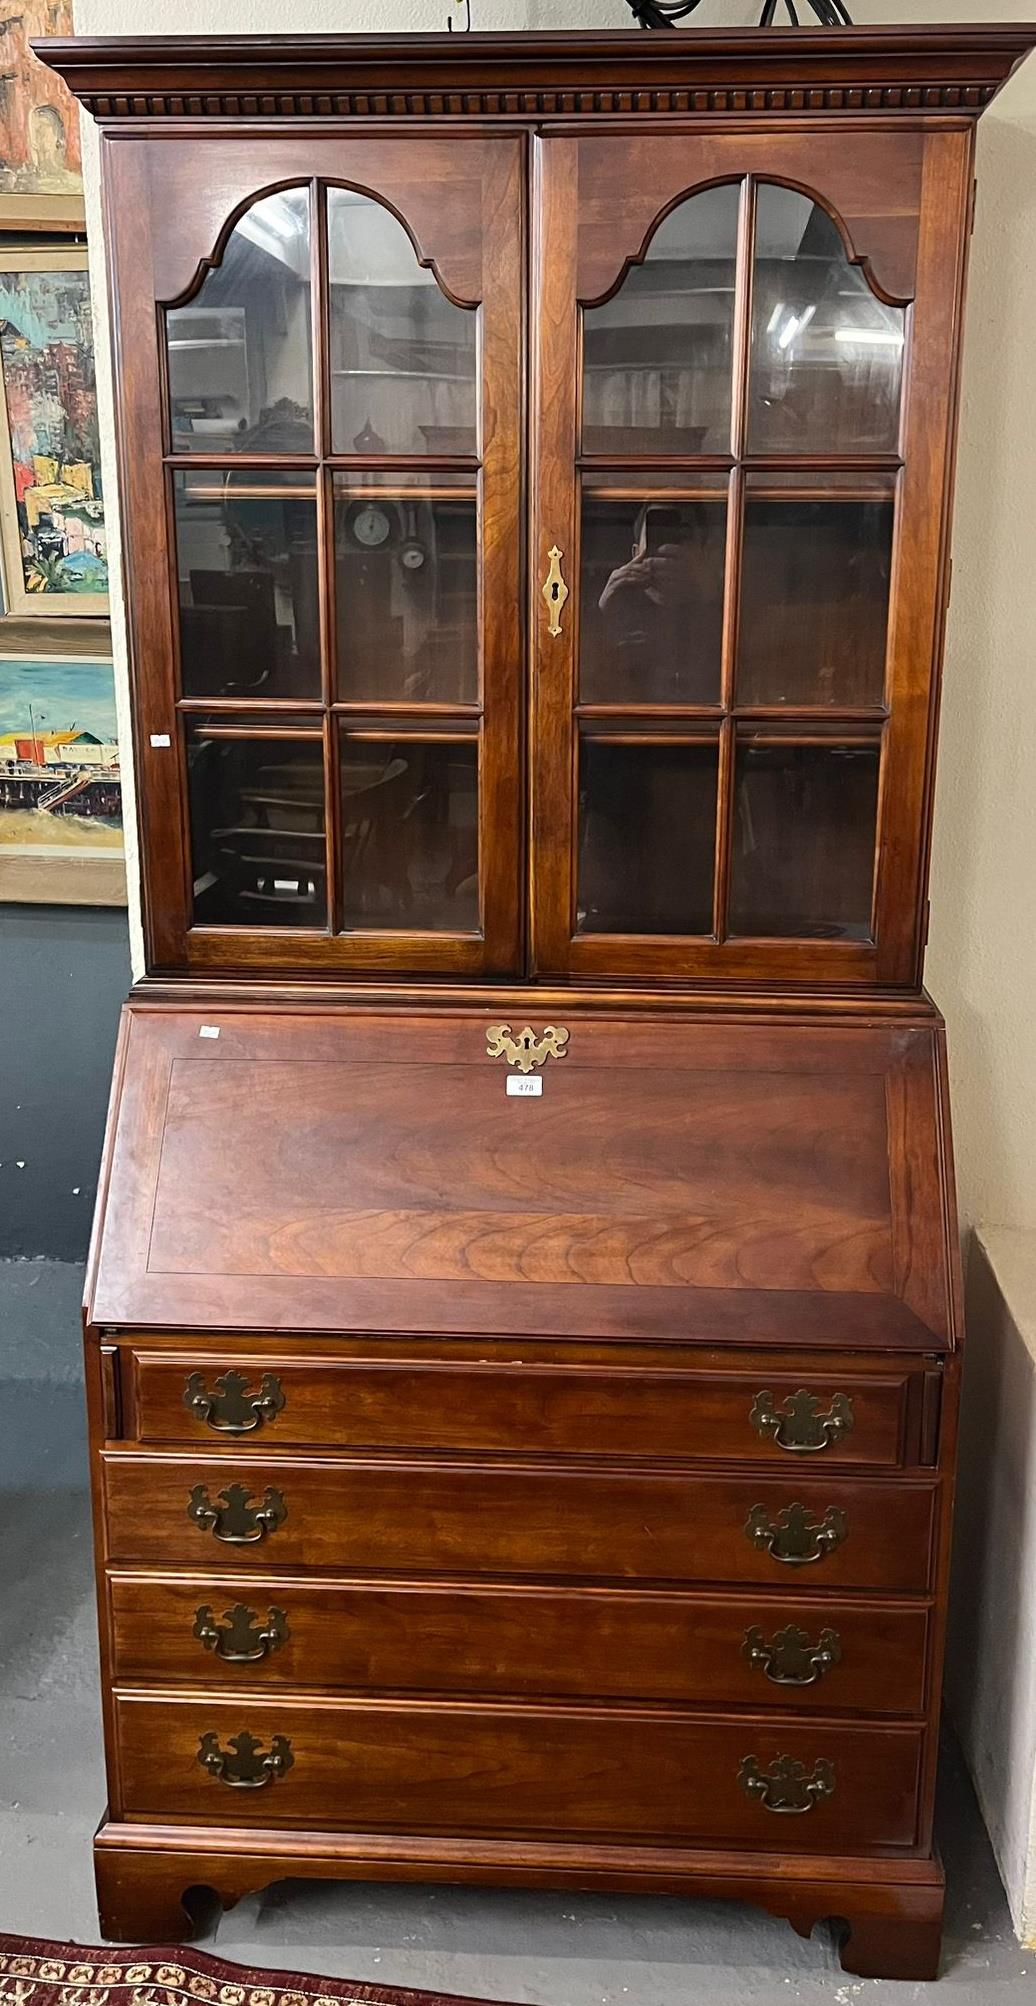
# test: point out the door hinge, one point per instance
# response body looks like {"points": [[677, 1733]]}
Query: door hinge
{"points": [[927, 922], [971, 206]]}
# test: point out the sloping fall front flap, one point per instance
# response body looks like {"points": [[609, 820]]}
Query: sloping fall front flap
{"points": [[672, 1178]]}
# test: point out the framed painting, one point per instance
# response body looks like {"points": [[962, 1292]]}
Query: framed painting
{"points": [[51, 499], [41, 185], [60, 783]]}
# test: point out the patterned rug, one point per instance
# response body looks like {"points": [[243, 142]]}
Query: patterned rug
{"points": [[34, 1973]]}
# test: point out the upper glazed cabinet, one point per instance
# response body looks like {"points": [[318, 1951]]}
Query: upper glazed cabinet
{"points": [[537, 541]]}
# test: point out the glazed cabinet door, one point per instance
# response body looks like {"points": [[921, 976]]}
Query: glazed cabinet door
{"points": [[320, 390], [745, 401]]}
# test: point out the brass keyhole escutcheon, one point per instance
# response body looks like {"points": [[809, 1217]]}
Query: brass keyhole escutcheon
{"points": [[555, 591]]}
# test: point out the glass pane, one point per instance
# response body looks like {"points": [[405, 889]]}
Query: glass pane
{"points": [[651, 605], [410, 833], [803, 846], [827, 355], [240, 355], [403, 357], [657, 356], [814, 591], [407, 591], [246, 551], [647, 833], [257, 829]]}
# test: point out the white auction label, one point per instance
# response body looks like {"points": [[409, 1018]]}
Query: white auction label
{"points": [[526, 1088]]}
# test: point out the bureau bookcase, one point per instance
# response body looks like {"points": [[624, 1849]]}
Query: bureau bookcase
{"points": [[523, 1317]]}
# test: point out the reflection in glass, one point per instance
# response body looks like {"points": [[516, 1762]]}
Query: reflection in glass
{"points": [[257, 829], [652, 600], [240, 355], [410, 833], [403, 356], [246, 553], [657, 355], [647, 831], [407, 594], [803, 844], [814, 593], [827, 354]]}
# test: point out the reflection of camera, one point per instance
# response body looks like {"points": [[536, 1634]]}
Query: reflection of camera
{"points": [[658, 523]]}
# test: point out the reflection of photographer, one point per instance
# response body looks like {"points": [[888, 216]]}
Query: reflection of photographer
{"points": [[652, 607]]}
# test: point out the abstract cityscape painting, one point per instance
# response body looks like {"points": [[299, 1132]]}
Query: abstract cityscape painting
{"points": [[60, 783], [51, 495]]}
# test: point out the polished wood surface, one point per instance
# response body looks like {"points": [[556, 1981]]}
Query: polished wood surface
{"points": [[694, 1181], [534, 1551], [446, 1517], [485, 1639], [540, 1408], [537, 1770], [914, 70]]}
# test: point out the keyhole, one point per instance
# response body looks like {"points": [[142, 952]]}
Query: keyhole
{"points": [[554, 590]]}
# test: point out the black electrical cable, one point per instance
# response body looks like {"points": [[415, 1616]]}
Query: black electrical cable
{"points": [[666, 13]]}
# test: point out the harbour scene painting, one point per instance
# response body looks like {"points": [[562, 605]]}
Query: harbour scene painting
{"points": [[60, 783], [51, 498]]}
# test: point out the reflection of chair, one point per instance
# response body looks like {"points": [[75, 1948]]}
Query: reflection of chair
{"points": [[272, 856], [377, 803], [230, 642], [400, 847]]}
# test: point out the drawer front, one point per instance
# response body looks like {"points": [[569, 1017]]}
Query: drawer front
{"points": [[442, 1518], [562, 1771], [753, 1651], [757, 1416]]}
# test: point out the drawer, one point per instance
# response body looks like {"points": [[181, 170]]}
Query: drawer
{"points": [[805, 1654], [859, 1417], [445, 1518], [512, 1771]]}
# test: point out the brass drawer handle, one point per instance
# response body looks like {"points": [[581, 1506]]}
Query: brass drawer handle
{"points": [[795, 1537], [231, 1409], [245, 1767], [785, 1786], [790, 1659], [234, 1519], [237, 1640], [798, 1425], [554, 590]]}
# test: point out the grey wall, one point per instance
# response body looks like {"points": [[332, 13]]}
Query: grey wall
{"points": [[64, 971]]}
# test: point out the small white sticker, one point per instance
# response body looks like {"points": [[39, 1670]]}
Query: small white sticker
{"points": [[159, 739], [530, 1087], [208, 1031]]}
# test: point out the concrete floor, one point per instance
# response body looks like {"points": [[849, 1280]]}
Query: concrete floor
{"points": [[543, 1950]]}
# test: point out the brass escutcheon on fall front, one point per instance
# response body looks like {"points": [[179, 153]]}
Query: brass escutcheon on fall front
{"points": [[238, 1640], [231, 1409], [790, 1659], [526, 1051], [785, 1787], [798, 1425], [794, 1536], [235, 1519], [245, 1767]]}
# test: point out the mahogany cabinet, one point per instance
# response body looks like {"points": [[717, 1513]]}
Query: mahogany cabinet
{"points": [[524, 1310]]}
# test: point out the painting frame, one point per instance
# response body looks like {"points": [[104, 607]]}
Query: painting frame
{"points": [[43, 868], [19, 601]]}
